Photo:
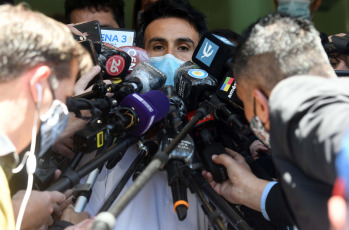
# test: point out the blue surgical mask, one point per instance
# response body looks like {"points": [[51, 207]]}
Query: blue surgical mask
{"points": [[297, 8], [53, 123], [168, 64], [259, 129]]}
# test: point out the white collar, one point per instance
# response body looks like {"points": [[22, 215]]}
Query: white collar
{"points": [[6, 146]]}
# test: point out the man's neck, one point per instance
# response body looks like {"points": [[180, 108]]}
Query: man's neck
{"points": [[16, 116]]}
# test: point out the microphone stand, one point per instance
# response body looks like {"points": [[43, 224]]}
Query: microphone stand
{"points": [[83, 191], [106, 220], [342, 73], [204, 190], [71, 177], [146, 148]]}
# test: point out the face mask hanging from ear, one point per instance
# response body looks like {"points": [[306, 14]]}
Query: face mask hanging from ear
{"points": [[258, 128], [168, 64], [53, 123]]}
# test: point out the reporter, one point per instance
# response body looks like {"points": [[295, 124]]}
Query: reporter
{"points": [[37, 74], [291, 106]]}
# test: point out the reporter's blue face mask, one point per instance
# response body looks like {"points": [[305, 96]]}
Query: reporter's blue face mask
{"points": [[168, 64], [297, 8]]}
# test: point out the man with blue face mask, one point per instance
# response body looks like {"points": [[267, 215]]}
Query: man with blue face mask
{"points": [[170, 32], [37, 73], [170, 36], [299, 8], [297, 106]]}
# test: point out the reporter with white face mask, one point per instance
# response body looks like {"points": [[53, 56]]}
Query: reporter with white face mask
{"points": [[37, 74]]}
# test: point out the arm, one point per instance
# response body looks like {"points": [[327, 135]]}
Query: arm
{"points": [[243, 187], [40, 207]]}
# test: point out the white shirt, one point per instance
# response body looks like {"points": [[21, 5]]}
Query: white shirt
{"points": [[151, 208]]}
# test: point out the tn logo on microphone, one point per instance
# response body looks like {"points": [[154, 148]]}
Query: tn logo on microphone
{"points": [[207, 52]]}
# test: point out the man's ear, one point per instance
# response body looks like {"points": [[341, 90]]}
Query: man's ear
{"points": [[38, 76], [262, 106]]}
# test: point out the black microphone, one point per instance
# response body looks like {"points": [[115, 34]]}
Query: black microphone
{"points": [[196, 85], [212, 147], [114, 62], [181, 156], [338, 45], [213, 53], [193, 84]]}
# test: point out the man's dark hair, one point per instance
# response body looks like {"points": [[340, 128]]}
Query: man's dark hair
{"points": [[117, 7], [12, 2], [171, 9]]}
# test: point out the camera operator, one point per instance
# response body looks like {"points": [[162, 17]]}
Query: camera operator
{"points": [[39, 65], [296, 106], [339, 61]]}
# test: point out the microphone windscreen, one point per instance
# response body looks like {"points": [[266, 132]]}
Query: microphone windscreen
{"points": [[160, 100], [148, 109], [150, 77], [137, 54]]}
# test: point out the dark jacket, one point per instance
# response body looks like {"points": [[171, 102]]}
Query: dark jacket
{"points": [[308, 119]]}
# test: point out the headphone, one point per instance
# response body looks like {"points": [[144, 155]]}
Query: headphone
{"points": [[39, 88]]}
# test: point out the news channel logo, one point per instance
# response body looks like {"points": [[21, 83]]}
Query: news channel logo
{"points": [[118, 38]]}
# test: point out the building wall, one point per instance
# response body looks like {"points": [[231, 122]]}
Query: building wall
{"points": [[232, 14]]}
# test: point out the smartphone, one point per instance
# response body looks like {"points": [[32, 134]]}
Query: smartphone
{"points": [[89, 46], [118, 37], [92, 30]]}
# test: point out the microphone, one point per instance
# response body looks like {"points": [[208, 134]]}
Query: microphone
{"points": [[137, 55], [213, 53], [195, 86], [338, 45], [219, 172], [192, 84], [114, 62], [150, 107], [141, 112], [180, 156], [143, 78]]}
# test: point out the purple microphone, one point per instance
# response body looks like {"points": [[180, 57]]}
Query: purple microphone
{"points": [[150, 107]]}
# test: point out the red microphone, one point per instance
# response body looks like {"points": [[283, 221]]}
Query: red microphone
{"points": [[137, 55]]}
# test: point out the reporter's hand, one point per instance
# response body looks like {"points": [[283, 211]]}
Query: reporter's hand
{"points": [[83, 81], [76, 31], [84, 225], [257, 148], [73, 217], [39, 210], [243, 187], [64, 143]]}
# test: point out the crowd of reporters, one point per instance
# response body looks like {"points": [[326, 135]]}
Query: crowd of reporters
{"points": [[272, 138]]}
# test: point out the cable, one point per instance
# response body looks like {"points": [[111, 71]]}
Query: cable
{"points": [[31, 167]]}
